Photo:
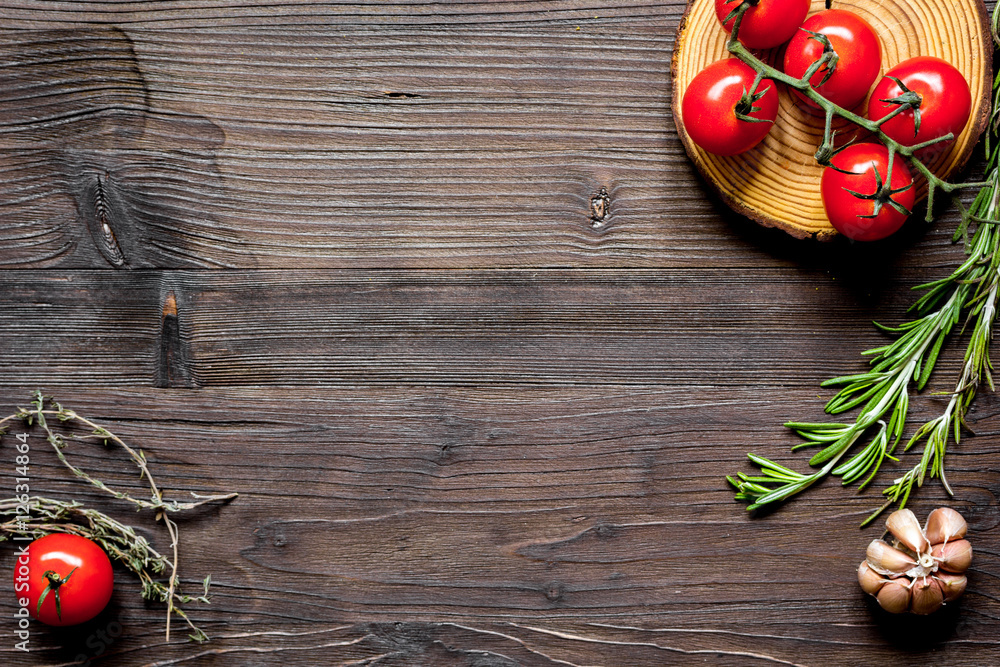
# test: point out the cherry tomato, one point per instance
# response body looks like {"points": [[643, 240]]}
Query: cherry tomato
{"points": [[943, 106], [859, 56], [765, 25], [873, 215], [716, 97], [70, 574]]}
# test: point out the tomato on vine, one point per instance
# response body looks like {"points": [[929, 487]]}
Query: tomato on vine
{"points": [[70, 579], [863, 201], [852, 50], [929, 99], [727, 108], [766, 23]]}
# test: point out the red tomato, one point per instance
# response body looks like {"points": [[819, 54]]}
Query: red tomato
{"points": [[714, 98], [859, 56], [944, 102], [873, 215], [765, 25], [73, 574]]}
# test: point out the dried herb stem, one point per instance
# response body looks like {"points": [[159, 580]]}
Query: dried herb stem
{"points": [[120, 541]]}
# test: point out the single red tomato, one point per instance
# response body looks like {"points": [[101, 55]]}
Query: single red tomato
{"points": [[859, 56], [766, 24], [941, 104], [69, 579], [721, 111], [860, 201]]}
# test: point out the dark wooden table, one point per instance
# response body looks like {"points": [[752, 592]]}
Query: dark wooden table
{"points": [[434, 287]]}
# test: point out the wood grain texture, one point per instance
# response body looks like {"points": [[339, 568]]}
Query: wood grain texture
{"points": [[202, 14], [682, 327], [434, 288], [373, 148], [546, 525]]}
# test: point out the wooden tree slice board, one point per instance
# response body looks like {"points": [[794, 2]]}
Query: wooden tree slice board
{"points": [[777, 182]]}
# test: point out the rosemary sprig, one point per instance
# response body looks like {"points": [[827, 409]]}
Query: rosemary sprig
{"points": [[970, 292], [981, 303], [972, 289], [46, 515]]}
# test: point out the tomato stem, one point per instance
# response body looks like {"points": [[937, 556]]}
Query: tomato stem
{"points": [[829, 59], [745, 107], [55, 581], [892, 114], [739, 10], [907, 99]]}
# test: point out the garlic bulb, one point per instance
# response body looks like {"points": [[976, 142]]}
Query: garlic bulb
{"points": [[922, 569]]}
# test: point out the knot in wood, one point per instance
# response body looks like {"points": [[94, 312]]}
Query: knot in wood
{"points": [[554, 591], [600, 207]]}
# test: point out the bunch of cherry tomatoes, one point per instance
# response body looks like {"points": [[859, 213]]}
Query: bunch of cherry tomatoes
{"points": [[867, 190]]}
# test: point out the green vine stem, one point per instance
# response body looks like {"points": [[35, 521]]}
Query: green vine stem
{"points": [[47, 515], [969, 293]]}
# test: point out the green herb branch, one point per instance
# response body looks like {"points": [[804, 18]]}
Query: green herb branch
{"points": [[882, 393], [46, 515]]}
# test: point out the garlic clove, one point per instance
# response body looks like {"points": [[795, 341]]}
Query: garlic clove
{"points": [[954, 556], [945, 524], [895, 596], [886, 559], [952, 585], [870, 580], [926, 596], [905, 527]]}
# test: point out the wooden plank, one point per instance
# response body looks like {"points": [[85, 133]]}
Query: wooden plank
{"points": [[536, 525], [220, 328], [195, 14], [380, 148]]}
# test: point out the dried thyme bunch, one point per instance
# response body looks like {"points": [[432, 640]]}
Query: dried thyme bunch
{"points": [[32, 517]]}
